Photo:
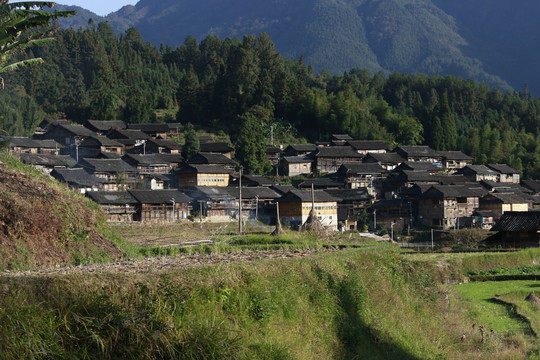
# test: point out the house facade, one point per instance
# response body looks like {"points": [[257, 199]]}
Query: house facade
{"points": [[295, 207]]}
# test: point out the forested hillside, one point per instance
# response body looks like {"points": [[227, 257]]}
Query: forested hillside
{"points": [[224, 84]]}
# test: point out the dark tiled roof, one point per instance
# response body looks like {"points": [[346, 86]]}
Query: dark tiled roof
{"points": [[368, 144], [101, 141], [360, 194], [150, 128], [505, 198], [360, 169], [253, 192], [153, 159], [257, 180], [477, 169], [77, 130], [451, 179], [76, 176], [23, 142], [215, 193], [175, 125], [159, 196], [453, 191], [46, 159], [283, 189], [205, 169], [534, 185], [108, 155], [165, 143], [108, 165], [306, 196], [385, 158], [49, 144], [104, 125], [337, 152], [493, 185], [302, 147], [518, 221], [215, 147], [341, 137], [211, 158], [418, 150], [455, 155], [418, 166], [128, 134], [297, 159], [205, 138], [273, 150], [319, 183], [409, 175], [503, 169], [111, 197]]}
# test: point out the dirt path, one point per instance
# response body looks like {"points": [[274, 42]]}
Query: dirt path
{"points": [[162, 263]]}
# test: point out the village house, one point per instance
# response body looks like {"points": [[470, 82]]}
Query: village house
{"points": [[257, 202], [118, 206], [153, 130], [454, 160], [329, 159], [101, 127], [191, 175], [215, 204], [78, 179], [340, 139], [350, 203], [296, 165], [321, 183], [273, 154], [213, 159], [476, 173], [20, 145], [368, 146], [116, 173], [296, 205], [46, 125], [93, 145], [388, 161], [217, 148], [532, 185], [392, 211], [499, 203], [150, 164], [160, 181], [299, 149], [133, 140], [160, 146], [506, 174], [419, 153], [46, 163], [428, 167], [362, 175], [161, 205], [448, 206], [67, 134], [252, 181], [517, 230]]}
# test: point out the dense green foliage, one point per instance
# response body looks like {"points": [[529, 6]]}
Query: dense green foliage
{"points": [[215, 83]]}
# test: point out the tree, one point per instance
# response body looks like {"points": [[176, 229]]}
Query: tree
{"points": [[192, 145], [251, 145], [16, 22]]}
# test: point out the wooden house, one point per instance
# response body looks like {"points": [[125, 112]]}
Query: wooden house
{"points": [[329, 159], [368, 146], [46, 125], [116, 173], [93, 145], [299, 149], [133, 140], [444, 205], [161, 205], [101, 127], [388, 161], [203, 175], [67, 134], [46, 163], [160, 146], [296, 205], [362, 175], [154, 163], [391, 211], [217, 148], [419, 153], [19, 145], [517, 230], [257, 202], [215, 203], [296, 165], [78, 179], [213, 159], [499, 203], [476, 173], [506, 174], [153, 130], [273, 154], [119, 206], [350, 203], [321, 183], [454, 160], [428, 167], [533, 186], [340, 139]]}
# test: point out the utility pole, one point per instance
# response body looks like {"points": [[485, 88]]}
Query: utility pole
{"points": [[77, 151], [431, 239], [173, 200], [256, 207], [272, 135], [375, 220], [240, 203], [200, 212]]}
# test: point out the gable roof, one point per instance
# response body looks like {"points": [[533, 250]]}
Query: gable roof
{"points": [[455, 155], [76, 176], [153, 159], [368, 145], [341, 137], [453, 191], [503, 169], [418, 166], [215, 147], [360, 194], [417, 151], [528, 221], [360, 169], [297, 159], [385, 158], [211, 158], [127, 134], [323, 182], [159, 196], [46, 159], [505, 198], [306, 196], [534, 185], [151, 128], [168, 144], [111, 197], [101, 141], [271, 149], [108, 165], [23, 142], [337, 152], [77, 130], [477, 169], [104, 125], [204, 169], [253, 192], [301, 147]]}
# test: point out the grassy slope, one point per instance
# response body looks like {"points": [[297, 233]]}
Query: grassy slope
{"points": [[367, 302], [42, 223]]}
